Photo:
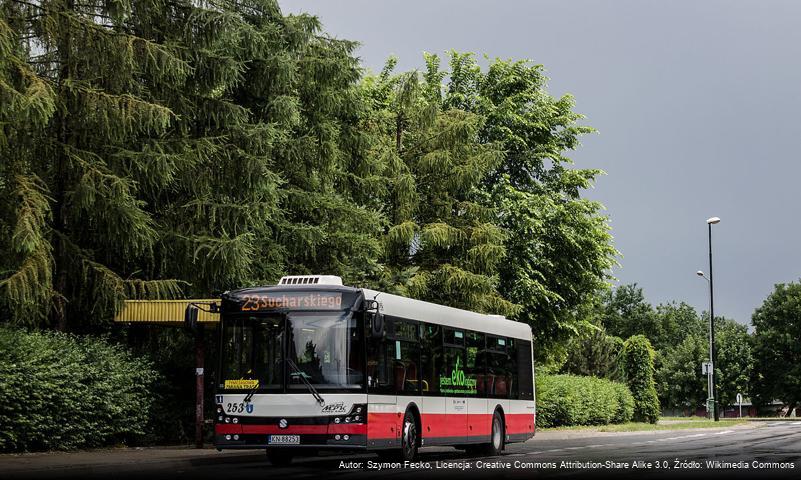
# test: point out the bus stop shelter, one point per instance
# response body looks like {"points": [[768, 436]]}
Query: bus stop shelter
{"points": [[172, 314]]}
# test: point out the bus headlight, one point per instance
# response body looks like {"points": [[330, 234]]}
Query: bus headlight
{"points": [[227, 420], [228, 437]]}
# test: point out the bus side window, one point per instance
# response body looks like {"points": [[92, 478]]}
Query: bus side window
{"points": [[525, 370], [380, 361], [499, 378], [406, 368], [431, 358], [476, 364], [511, 366]]}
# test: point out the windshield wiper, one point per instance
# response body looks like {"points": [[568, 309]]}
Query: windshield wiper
{"points": [[251, 393], [302, 376]]}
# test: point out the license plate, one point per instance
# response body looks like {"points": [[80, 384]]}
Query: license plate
{"points": [[284, 440]]}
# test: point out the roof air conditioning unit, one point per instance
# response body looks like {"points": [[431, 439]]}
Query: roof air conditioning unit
{"points": [[300, 280]]}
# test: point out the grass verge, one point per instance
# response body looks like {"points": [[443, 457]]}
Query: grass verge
{"points": [[642, 427]]}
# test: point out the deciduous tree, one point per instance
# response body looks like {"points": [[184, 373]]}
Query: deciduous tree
{"points": [[776, 349]]}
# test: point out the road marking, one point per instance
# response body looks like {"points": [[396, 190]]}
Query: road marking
{"points": [[785, 424], [725, 432]]}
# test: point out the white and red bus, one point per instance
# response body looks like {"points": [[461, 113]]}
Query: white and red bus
{"points": [[310, 364]]}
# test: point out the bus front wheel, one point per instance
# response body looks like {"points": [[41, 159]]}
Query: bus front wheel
{"points": [[409, 437]]}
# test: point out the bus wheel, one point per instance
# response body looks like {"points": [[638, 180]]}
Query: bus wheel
{"points": [[409, 437], [497, 439], [279, 458]]}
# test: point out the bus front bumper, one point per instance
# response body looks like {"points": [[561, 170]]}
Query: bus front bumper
{"points": [[243, 441]]}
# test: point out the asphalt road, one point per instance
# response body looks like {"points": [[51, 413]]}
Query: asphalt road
{"points": [[765, 449]]}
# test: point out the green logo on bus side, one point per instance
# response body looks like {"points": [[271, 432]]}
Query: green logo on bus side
{"points": [[457, 382]]}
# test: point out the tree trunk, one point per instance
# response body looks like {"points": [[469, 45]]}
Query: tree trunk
{"points": [[63, 132]]}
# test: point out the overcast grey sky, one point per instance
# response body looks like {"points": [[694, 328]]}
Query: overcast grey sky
{"points": [[697, 105]]}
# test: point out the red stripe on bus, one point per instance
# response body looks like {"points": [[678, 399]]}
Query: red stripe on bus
{"points": [[223, 429], [387, 425], [383, 425], [519, 423]]}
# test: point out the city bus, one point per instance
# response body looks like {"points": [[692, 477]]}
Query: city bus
{"points": [[310, 364]]}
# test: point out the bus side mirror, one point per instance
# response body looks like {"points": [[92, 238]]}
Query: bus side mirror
{"points": [[190, 317], [377, 325]]}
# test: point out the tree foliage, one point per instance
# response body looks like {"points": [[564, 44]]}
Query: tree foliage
{"points": [[680, 383], [494, 220], [680, 337], [595, 354], [776, 349], [734, 361], [558, 243], [151, 150], [156, 150], [442, 239]]}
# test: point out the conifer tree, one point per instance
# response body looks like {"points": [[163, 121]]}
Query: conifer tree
{"points": [[135, 165], [77, 220], [308, 85], [218, 189]]}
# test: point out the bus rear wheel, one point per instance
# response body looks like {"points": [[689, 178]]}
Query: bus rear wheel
{"points": [[495, 447], [279, 458]]}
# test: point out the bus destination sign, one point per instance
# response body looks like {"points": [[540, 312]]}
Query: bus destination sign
{"points": [[293, 301]]}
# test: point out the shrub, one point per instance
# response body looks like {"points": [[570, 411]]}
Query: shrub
{"points": [[564, 400], [638, 367], [61, 392]]}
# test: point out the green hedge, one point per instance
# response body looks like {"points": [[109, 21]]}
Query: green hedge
{"points": [[61, 392], [564, 400]]}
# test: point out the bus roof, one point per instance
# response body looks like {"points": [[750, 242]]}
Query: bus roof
{"points": [[397, 306], [403, 307]]}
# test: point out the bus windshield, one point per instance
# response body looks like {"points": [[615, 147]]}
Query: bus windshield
{"points": [[252, 352], [324, 347], [326, 350]]}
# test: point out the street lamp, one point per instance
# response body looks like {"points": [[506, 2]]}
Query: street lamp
{"points": [[710, 399], [712, 349]]}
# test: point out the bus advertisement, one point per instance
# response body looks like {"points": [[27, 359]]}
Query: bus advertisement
{"points": [[311, 364]]}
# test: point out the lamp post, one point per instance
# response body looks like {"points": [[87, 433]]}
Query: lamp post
{"points": [[712, 349], [710, 398]]}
